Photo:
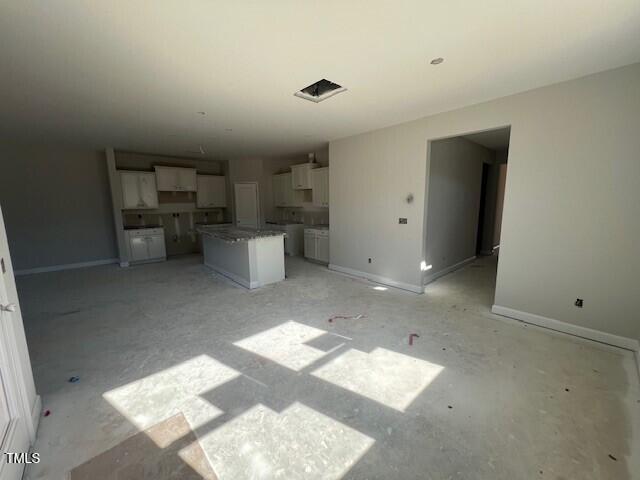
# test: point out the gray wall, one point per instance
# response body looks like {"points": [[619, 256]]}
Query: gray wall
{"points": [[56, 204], [502, 181], [570, 219], [455, 181]]}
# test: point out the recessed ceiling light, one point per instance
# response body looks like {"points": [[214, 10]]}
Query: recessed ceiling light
{"points": [[437, 61]]}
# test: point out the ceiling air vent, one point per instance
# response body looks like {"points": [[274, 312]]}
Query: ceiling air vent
{"points": [[320, 91]]}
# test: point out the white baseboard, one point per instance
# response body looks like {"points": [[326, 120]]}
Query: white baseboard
{"points": [[569, 328], [67, 266], [232, 276], [434, 276], [377, 278], [36, 410]]}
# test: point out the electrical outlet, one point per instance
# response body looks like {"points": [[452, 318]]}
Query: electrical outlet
{"points": [[402, 221], [369, 260], [579, 302]]}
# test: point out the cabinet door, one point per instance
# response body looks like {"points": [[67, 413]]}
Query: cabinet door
{"points": [[139, 249], [297, 177], [176, 179], [155, 244], [148, 190], [325, 188], [218, 194], [203, 194], [186, 179], [320, 187], [167, 179], [130, 192], [310, 245], [322, 249]]}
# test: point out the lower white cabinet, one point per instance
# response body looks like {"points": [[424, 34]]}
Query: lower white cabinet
{"points": [[316, 244], [146, 244], [138, 190]]}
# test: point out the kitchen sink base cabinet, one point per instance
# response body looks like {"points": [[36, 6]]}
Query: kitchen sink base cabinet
{"points": [[146, 245]]}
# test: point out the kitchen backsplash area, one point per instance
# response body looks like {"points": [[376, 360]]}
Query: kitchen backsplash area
{"points": [[308, 217]]}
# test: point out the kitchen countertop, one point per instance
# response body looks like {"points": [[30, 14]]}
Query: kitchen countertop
{"points": [[231, 234], [317, 227]]}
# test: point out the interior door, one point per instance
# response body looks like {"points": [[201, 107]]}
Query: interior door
{"points": [[246, 203], [14, 435]]}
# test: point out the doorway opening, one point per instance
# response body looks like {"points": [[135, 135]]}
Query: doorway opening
{"points": [[466, 184]]}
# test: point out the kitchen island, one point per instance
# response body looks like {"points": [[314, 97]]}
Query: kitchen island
{"points": [[252, 258]]}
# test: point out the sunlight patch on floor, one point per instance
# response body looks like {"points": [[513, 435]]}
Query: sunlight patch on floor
{"points": [[285, 345], [297, 443], [387, 377], [153, 399]]}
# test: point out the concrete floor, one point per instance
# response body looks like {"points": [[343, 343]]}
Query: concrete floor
{"points": [[271, 389]]}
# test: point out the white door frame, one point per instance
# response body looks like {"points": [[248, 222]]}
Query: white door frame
{"points": [[24, 417], [235, 207]]}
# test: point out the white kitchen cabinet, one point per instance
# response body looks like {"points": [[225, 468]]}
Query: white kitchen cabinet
{"points": [[309, 245], [320, 187], [212, 191], [322, 248], [176, 179], [301, 176], [316, 244], [138, 190], [156, 247], [283, 194], [146, 244]]}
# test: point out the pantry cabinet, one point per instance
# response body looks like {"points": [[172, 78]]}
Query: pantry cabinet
{"points": [[320, 187], [301, 176], [138, 190], [176, 179], [211, 191]]}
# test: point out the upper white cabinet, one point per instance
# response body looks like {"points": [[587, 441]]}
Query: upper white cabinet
{"points": [[283, 193], [212, 191], [176, 179], [301, 176], [138, 190], [320, 186]]}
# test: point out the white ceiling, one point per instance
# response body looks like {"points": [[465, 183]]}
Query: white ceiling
{"points": [[132, 74], [497, 139]]}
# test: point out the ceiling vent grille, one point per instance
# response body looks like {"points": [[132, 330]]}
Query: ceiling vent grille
{"points": [[319, 91]]}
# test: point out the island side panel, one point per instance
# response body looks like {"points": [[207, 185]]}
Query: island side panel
{"points": [[229, 259], [269, 260]]}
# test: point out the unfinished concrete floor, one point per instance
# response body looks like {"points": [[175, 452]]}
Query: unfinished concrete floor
{"points": [[263, 386]]}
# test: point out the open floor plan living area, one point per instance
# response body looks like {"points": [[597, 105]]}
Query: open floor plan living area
{"points": [[336, 240]]}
